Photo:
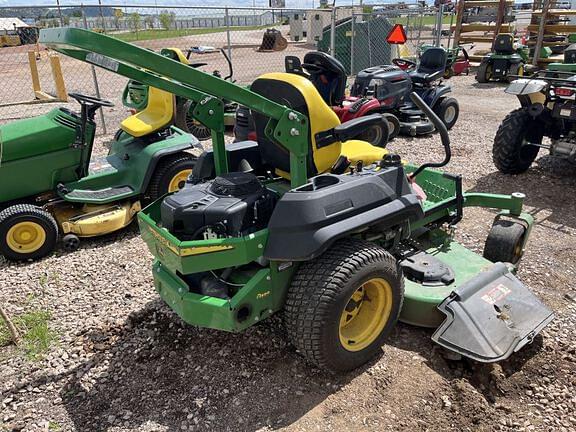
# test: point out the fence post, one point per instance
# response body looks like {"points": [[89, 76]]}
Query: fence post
{"points": [[333, 33], [352, 37], [229, 48], [439, 18], [95, 80]]}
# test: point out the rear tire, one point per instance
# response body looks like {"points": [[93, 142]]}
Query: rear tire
{"points": [[482, 75], [448, 110], [515, 69], [504, 242], [510, 153], [353, 280], [170, 174], [393, 126], [27, 232], [377, 134], [186, 122]]}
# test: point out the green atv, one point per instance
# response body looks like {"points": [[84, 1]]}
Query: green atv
{"points": [[506, 60], [51, 187], [135, 97], [340, 236]]}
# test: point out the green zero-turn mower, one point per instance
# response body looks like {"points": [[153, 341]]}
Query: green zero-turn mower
{"points": [[504, 61], [50, 185], [341, 237]]}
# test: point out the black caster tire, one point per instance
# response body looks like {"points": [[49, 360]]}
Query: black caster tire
{"points": [[505, 242]]}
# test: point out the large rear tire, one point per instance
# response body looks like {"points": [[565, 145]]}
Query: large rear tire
{"points": [[170, 174], [515, 69], [393, 125], [341, 306], [483, 73], [377, 134], [186, 122], [27, 232], [511, 152]]}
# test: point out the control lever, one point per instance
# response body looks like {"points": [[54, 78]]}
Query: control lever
{"points": [[442, 130]]}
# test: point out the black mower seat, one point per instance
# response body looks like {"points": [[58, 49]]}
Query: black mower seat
{"points": [[431, 67], [328, 76], [504, 44]]}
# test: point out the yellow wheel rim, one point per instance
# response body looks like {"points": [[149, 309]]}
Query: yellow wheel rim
{"points": [[26, 237], [178, 180], [366, 314]]}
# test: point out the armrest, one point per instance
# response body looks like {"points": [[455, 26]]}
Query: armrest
{"points": [[353, 128], [348, 130]]}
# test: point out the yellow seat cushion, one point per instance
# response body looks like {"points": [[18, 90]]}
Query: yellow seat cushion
{"points": [[356, 150], [157, 115]]}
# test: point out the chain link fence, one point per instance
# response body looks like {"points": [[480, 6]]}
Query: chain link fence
{"points": [[256, 40]]}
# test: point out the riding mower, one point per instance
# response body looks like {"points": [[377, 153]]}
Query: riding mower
{"points": [[380, 89], [287, 224], [136, 94], [568, 65], [506, 60], [457, 61], [51, 188]]}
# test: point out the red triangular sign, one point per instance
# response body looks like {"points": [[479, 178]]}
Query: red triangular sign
{"points": [[397, 35]]}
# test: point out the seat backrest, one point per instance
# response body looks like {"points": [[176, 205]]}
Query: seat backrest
{"points": [[298, 93], [158, 114], [504, 44], [175, 54], [328, 76], [432, 60]]}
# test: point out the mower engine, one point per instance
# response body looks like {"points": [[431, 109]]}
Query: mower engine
{"points": [[388, 84], [232, 205]]}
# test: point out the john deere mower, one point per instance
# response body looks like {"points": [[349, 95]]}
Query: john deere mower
{"points": [[49, 187], [341, 237], [507, 59]]}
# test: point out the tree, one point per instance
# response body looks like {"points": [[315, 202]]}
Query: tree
{"points": [[134, 21], [149, 21], [167, 19], [118, 14]]}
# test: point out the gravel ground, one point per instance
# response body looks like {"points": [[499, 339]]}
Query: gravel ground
{"points": [[125, 362]]}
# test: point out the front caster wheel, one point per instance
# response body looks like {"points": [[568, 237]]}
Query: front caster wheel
{"points": [[341, 306], [505, 242], [70, 242]]}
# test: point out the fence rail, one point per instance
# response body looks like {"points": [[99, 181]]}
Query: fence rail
{"points": [[34, 78]]}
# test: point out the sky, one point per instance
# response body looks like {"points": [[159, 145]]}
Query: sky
{"points": [[258, 3]]}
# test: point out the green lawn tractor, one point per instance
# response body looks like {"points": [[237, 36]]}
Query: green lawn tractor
{"points": [[135, 97], [341, 237], [505, 60], [568, 65], [51, 187]]}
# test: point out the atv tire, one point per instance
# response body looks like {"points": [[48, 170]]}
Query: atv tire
{"points": [[186, 122], [483, 73], [170, 174], [510, 153], [353, 280], [505, 242], [393, 126], [27, 232], [448, 110], [377, 134]]}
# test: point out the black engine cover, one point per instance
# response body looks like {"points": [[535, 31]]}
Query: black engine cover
{"points": [[383, 82], [231, 205]]}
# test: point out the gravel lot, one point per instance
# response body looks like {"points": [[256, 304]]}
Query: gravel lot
{"points": [[125, 362]]}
